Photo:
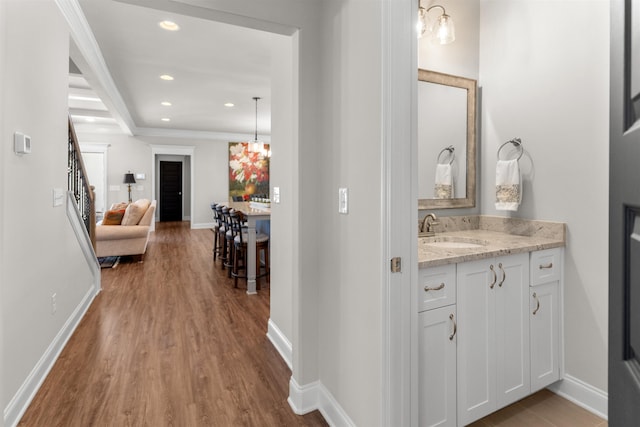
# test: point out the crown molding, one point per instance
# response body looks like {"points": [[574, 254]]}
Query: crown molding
{"points": [[86, 54]]}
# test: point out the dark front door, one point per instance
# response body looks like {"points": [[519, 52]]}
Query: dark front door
{"points": [[170, 191], [624, 216]]}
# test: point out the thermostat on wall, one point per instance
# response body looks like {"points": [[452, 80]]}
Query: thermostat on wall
{"points": [[21, 143]]}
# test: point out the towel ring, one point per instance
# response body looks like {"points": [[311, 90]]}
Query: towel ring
{"points": [[515, 141], [451, 150]]}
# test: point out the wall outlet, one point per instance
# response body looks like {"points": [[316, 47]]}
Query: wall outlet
{"points": [[343, 200], [54, 303]]}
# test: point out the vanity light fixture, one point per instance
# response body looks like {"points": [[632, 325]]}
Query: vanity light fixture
{"points": [[442, 29]]}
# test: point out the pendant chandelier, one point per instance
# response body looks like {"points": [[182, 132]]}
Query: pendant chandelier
{"points": [[256, 145]]}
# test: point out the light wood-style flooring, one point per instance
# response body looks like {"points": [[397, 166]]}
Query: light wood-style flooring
{"points": [[542, 409], [170, 342]]}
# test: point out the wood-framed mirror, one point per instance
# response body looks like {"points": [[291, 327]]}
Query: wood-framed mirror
{"points": [[446, 136]]}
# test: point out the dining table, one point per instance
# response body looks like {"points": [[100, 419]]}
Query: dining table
{"points": [[254, 212]]}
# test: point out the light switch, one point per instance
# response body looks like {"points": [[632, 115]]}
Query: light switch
{"points": [[276, 195], [58, 197], [343, 200]]}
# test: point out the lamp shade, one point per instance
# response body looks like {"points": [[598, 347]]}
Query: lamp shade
{"points": [[129, 178]]}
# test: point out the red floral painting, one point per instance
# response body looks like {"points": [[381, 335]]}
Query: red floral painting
{"points": [[248, 171]]}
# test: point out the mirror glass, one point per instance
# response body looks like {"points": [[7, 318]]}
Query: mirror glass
{"points": [[446, 141]]}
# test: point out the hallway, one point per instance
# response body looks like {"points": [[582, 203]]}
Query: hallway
{"points": [[170, 342]]}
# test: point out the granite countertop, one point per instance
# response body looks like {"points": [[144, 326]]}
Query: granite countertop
{"points": [[496, 236]]}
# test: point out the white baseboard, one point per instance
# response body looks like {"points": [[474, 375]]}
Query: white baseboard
{"points": [[21, 400], [280, 342], [582, 394], [307, 398], [202, 225]]}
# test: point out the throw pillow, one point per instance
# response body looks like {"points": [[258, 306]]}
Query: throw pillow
{"points": [[135, 211], [113, 217], [118, 206]]}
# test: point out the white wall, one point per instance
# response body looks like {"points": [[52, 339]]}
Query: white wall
{"points": [[282, 142], [3, 36], [350, 245], [45, 257], [210, 162], [544, 72]]}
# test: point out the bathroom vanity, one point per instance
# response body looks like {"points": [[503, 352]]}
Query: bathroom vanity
{"points": [[489, 316]]}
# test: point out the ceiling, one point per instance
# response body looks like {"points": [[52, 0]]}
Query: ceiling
{"points": [[121, 52]]}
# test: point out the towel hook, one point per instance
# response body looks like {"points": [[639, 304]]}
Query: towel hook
{"points": [[451, 150], [515, 141]]}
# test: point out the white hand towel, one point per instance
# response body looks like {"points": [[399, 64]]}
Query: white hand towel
{"points": [[508, 185], [444, 182]]}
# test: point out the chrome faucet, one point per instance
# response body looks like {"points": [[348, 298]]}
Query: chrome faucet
{"points": [[426, 228]]}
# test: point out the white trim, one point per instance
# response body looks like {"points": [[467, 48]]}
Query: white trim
{"points": [[582, 394], [315, 396], [75, 220], [280, 342], [87, 55], [399, 209], [25, 394], [100, 148], [173, 150]]}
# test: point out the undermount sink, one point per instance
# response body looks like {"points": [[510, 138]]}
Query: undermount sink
{"points": [[450, 242]]}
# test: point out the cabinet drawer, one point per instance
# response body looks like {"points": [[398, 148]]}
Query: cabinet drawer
{"points": [[545, 266], [436, 287]]}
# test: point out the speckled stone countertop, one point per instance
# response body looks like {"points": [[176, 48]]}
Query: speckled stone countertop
{"points": [[498, 236]]}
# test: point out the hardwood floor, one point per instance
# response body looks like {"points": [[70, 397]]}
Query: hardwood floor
{"points": [[170, 342], [543, 409]]}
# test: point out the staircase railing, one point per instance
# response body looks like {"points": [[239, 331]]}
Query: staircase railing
{"points": [[78, 182]]}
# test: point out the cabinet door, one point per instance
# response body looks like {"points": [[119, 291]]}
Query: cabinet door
{"points": [[476, 342], [545, 337], [512, 329], [437, 367], [436, 287]]}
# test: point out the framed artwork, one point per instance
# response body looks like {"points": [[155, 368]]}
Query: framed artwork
{"points": [[248, 171]]}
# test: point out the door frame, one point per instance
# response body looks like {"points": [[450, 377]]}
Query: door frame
{"points": [[100, 148], [173, 150]]}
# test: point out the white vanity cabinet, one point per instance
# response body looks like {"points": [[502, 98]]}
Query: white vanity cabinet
{"points": [[489, 334], [544, 320], [437, 346], [493, 335]]}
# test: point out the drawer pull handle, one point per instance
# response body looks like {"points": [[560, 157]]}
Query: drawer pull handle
{"points": [[495, 277], [436, 288], [455, 327], [537, 304], [550, 265], [504, 275]]}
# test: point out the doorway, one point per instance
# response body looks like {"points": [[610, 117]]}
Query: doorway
{"points": [[170, 191]]}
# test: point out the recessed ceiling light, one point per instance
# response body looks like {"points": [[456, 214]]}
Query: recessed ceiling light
{"points": [[166, 103], [165, 119], [229, 104], [169, 25], [84, 98], [166, 77]]}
